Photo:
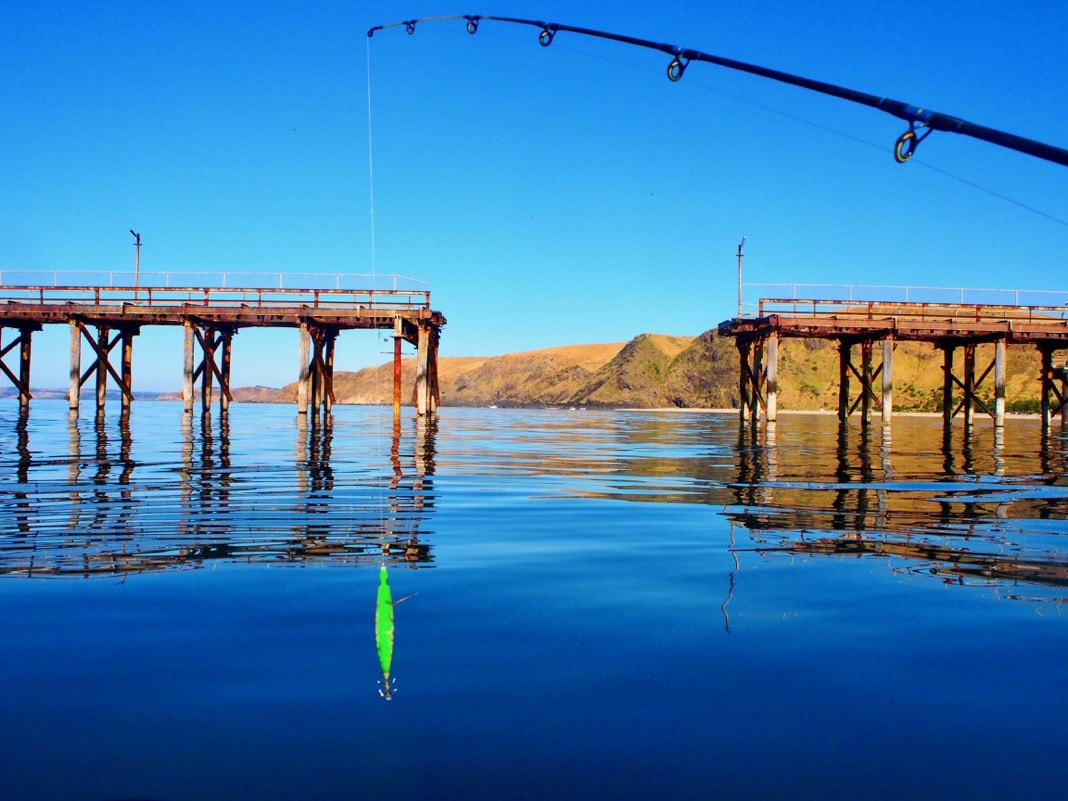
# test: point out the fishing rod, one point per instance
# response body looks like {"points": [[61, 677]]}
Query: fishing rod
{"points": [[921, 121]]}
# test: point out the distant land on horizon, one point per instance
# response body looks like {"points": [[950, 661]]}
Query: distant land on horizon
{"points": [[650, 371]]}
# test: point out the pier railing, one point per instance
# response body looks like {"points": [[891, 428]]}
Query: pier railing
{"points": [[756, 295], [210, 280], [219, 290], [922, 312], [376, 300]]}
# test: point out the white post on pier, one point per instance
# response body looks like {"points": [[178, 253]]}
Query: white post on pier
{"points": [[888, 380], [187, 369], [304, 376], [422, 375], [999, 383], [771, 380]]}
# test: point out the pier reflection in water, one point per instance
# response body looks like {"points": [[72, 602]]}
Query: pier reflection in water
{"points": [[956, 512], [968, 507], [117, 505]]}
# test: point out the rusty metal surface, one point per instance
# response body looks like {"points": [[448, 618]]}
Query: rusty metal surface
{"points": [[22, 306], [921, 322]]}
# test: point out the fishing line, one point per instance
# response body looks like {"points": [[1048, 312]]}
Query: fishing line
{"points": [[993, 193], [379, 428], [877, 147], [371, 166]]}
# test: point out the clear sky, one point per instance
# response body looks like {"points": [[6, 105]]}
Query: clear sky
{"points": [[548, 196]]}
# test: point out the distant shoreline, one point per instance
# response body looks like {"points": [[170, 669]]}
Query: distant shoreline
{"points": [[168, 397], [826, 412]]}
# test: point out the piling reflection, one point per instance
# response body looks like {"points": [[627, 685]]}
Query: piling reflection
{"points": [[23, 508], [105, 507], [100, 481]]}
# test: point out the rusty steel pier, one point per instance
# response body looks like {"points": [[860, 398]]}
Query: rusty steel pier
{"points": [[108, 319], [859, 326]]}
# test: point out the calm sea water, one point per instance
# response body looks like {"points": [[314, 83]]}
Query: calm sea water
{"points": [[586, 605]]}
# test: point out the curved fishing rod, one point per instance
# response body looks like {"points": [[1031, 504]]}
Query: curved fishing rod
{"points": [[921, 121]]}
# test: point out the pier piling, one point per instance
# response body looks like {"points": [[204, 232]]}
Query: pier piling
{"points": [[888, 382]]}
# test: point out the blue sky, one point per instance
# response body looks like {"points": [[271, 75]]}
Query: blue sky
{"points": [[549, 196]]}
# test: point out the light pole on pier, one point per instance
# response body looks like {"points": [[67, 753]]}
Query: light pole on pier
{"points": [[740, 246], [137, 257]]}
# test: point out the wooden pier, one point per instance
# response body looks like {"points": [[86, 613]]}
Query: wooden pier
{"points": [[862, 327], [109, 318]]}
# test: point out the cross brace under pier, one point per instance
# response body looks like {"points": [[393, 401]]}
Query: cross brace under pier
{"points": [[315, 387], [758, 379], [215, 342], [23, 341], [108, 337]]}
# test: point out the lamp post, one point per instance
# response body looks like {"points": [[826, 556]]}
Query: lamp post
{"points": [[740, 246], [137, 257]]}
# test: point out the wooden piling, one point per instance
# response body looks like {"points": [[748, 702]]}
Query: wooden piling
{"points": [[421, 378], [103, 335], [888, 381], [187, 368], [25, 345], [969, 384], [74, 391], [328, 363], [224, 381], [844, 350], [865, 381], [435, 381], [127, 369], [743, 379], [771, 380], [304, 375], [999, 383], [757, 376], [1047, 388], [947, 385], [396, 377]]}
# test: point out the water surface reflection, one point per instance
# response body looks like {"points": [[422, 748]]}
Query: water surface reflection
{"points": [[156, 491], [115, 500], [984, 515]]}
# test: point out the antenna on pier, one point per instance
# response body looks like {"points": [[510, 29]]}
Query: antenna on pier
{"points": [[741, 245]]}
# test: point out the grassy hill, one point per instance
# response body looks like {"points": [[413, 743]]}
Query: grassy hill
{"points": [[658, 371]]}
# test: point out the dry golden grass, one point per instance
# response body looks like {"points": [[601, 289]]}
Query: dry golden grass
{"points": [[588, 357]]}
